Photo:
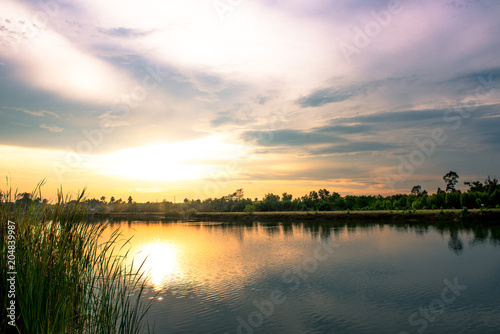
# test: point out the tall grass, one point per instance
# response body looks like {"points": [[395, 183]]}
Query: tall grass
{"points": [[69, 279]]}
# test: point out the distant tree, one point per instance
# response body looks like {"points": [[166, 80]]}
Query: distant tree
{"points": [[491, 185], [286, 197], [239, 194], [249, 208], [451, 178], [474, 186], [323, 194], [112, 200], [103, 198], [416, 190], [186, 201], [130, 200]]}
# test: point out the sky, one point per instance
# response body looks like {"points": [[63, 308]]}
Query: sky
{"points": [[195, 99]]}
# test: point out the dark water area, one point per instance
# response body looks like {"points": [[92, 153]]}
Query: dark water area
{"points": [[318, 277]]}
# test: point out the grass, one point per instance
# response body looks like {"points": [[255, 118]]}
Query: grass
{"points": [[69, 280]]}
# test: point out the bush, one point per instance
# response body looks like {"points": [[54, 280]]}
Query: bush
{"points": [[249, 208], [173, 213], [190, 213]]}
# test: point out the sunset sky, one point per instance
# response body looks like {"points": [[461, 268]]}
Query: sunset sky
{"points": [[197, 98]]}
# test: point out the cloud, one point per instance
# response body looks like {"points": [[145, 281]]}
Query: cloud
{"points": [[228, 117], [51, 128], [39, 113], [324, 96], [112, 121], [124, 32], [344, 129], [354, 147], [63, 67], [289, 138]]}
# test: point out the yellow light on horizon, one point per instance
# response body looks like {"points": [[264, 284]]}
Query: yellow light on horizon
{"points": [[186, 160]]}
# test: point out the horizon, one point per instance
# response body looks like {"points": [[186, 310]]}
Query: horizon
{"points": [[198, 99]]}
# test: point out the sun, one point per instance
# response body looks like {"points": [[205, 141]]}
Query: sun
{"points": [[186, 160]]}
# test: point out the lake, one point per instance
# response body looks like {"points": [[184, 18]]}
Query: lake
{"points": [[319, 277]]}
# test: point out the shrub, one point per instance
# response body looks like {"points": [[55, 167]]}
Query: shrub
{"points": [[249, 208], [190, 213], [173, 213]]}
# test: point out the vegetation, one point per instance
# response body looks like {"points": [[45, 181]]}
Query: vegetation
{"points": [[69, 279], [480, 195]]}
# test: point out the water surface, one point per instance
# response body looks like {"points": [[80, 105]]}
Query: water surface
{"points": [[319, 278]]}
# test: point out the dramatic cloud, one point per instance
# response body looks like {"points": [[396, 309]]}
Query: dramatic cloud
{"points": [[333, 93]]}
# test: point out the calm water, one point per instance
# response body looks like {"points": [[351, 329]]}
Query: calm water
{"points": [[319, 278]]}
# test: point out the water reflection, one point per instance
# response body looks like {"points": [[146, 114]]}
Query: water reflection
{"points": [[169, 251], [208, 274], [160, 260]]}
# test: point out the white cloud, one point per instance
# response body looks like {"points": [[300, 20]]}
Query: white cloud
{"points": [[51, 128], [39, 113], [46, 59]]}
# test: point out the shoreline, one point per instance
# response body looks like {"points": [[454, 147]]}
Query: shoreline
{"points": [[428, 216]]}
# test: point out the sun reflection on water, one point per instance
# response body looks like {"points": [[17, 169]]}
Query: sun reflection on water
{"points": [[160, 261]]}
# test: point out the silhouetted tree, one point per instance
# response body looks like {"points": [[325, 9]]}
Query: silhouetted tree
{"points": [[130, 200], [416, 190], [238, 194], [451, 178]]}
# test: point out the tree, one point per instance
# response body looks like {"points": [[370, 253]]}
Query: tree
{"points": [[451, 178], [323, 194], [112, 199], [103, 198], [416, 190], [474, 186], [238, 194], [249, 208], [130, 200]]}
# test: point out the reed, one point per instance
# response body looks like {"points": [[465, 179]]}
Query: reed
{"points": [[69, 278]]}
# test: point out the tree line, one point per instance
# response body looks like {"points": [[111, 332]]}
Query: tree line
{"points": [[478, 195]]}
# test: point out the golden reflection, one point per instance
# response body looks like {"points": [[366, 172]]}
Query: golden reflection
{"points": [[208, 259], [160, 260]]}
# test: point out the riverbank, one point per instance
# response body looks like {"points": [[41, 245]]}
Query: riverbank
{"points": [[428, 216]]}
